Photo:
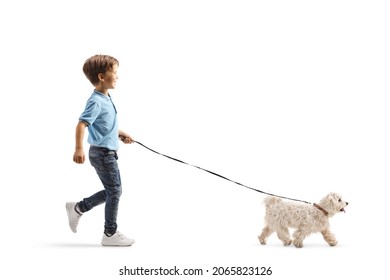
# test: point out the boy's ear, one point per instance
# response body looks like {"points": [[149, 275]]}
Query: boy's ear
{"points": [[101, 77]]}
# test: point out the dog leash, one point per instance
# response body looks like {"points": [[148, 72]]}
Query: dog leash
{"points": [[218, 175]]}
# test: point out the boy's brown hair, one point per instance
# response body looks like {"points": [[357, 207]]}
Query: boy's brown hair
{"points": [[98, 64]]}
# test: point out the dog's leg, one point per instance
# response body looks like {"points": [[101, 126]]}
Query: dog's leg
{"points": [[298, 237], [329, 237], [284, 236], [267, 231]]}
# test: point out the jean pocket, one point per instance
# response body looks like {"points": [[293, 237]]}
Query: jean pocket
{"points": [[112, 154]]}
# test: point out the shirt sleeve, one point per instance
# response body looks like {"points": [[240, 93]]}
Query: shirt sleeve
{"points": [[91, 112]]}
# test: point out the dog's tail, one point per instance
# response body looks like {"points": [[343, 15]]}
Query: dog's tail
{"points": [[269, 200]]}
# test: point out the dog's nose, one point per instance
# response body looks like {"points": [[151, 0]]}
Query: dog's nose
{"points": [[346, 203]]}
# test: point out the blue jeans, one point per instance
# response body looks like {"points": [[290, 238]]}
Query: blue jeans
{"points": [[105, 163]]}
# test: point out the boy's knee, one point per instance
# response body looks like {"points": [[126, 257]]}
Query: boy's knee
{"points": [[114, 192], [118, 191]]}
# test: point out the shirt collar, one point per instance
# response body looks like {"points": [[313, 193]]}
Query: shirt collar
{"points": [[108, 97]]}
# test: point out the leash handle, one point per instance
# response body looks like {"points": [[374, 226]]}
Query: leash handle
{"points": [[218, 175]]}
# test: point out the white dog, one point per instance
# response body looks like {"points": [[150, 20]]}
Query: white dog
{"points": [[306, 219]]}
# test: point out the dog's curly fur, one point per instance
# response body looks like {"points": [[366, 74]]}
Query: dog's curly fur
{"points": [[306, 219]]}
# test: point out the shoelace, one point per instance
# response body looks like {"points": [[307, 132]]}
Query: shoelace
{"points": [[121, 235]]}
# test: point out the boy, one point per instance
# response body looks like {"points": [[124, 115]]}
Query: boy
{"points": [[100, 117]]}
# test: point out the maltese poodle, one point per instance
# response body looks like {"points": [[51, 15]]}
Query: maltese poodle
{"points": [[306, 219]]}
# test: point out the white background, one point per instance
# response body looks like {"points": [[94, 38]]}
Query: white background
{"points": [[290, 97]]}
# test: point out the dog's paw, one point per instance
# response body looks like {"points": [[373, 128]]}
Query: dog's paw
{"points": [[298, 244], [262, 240], [287, 243], [333, 243]]}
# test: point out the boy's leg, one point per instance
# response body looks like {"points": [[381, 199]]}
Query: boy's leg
{"points": [[106, 166], [76, 210], [90, 202]]}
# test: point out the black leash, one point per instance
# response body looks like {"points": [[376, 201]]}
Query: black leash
{"points": [[216, 174]]}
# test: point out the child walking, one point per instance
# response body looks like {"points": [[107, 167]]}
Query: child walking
{"points": [[100, 117]]}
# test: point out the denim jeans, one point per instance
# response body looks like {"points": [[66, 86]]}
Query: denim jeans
{"points": [[105, 163]]}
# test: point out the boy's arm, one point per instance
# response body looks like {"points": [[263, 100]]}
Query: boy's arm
{"points": [[79, 156], [125, 138]]}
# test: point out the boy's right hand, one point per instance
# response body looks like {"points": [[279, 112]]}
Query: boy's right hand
{"points": [[79, 156]]}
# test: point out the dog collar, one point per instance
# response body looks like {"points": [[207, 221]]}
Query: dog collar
{"points": [[320, 208]]}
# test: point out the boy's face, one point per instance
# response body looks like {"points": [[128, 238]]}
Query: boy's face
{"points": [[109, 78]]}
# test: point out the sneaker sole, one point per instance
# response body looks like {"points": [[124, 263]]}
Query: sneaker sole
{"points": [[117, 245]]}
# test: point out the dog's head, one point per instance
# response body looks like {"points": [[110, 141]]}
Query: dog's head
{"points": [[333, 203]]}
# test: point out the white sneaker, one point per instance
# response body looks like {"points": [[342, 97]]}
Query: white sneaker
{"points": [[117, 239], [73, 216]]}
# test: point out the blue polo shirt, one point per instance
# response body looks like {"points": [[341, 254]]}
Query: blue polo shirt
{"points": [[101, 117]]}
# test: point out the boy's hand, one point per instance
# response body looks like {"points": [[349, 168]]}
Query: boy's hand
{"points": [[125, 138], [79, 156]]}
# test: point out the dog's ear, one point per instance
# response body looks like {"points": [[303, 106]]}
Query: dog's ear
{"points": [[334, 197]]}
